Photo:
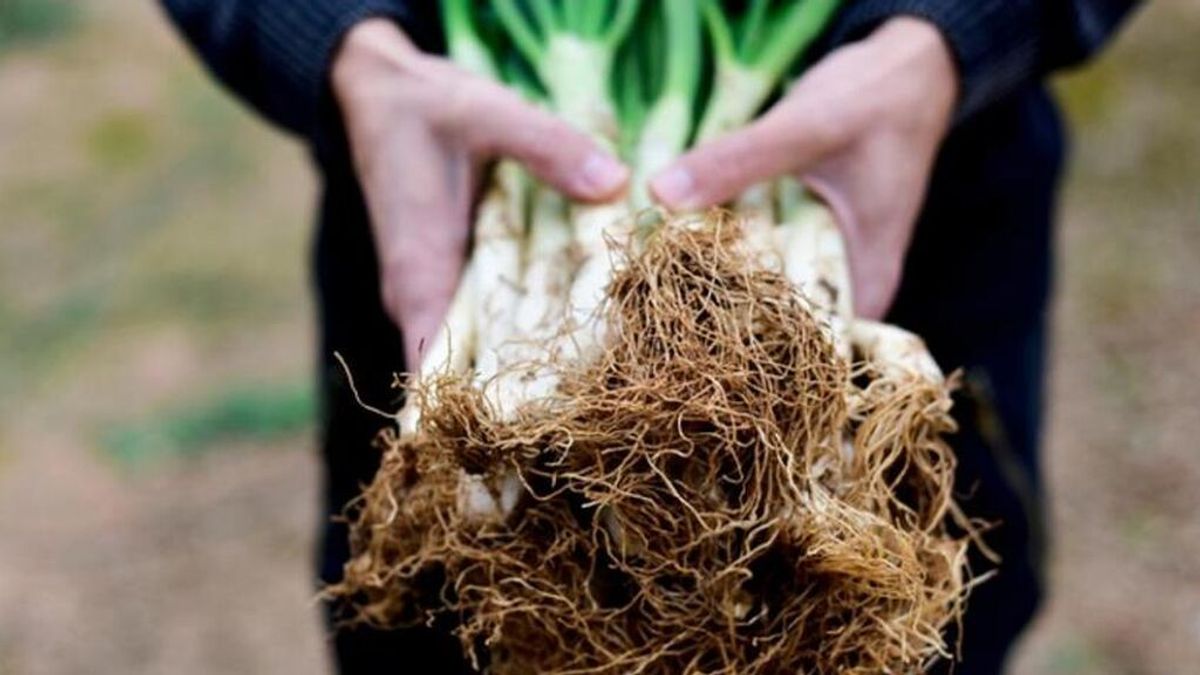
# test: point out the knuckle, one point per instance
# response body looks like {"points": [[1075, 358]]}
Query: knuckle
{"points": [[803, 125], [460, 104], [823, 130], [415, 91], [539, 141], [540, 151], [725, 170]]}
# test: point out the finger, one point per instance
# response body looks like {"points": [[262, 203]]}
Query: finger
{"points": [[875, 288], [419, 215], [875, 199], [876, 266], [418, 289], [496, 121], [790, 137]]}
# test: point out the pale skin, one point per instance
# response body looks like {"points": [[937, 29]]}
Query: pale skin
{"points": [[861, 128]]}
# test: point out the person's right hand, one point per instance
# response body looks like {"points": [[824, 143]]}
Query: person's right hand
{"points": [[420, 129]]}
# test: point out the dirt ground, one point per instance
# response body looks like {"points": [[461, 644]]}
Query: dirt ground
{"points": [[158, 486]]}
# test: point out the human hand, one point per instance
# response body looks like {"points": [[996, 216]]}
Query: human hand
{"points": [[420, 130], [862, 129]]}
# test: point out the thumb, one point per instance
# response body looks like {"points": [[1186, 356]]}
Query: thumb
{"points": [[787, 139], [553, 150]]}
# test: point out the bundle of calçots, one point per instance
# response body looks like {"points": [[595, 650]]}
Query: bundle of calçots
{"points": [[653, 443]]}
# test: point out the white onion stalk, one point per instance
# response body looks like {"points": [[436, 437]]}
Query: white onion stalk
{"points": [[496, 265], [499, 230], [480, 500], [814, 260], [755, 208], [527, 374], [574, 63], [577, 64], [573, 51], [483, 309], [662, 136], [899, 354], [573, 56]]}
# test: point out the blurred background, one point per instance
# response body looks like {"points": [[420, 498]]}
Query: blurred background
{"points": [[158, 485]]}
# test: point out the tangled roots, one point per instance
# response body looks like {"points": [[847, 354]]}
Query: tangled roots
{"points": [[718, 492]]}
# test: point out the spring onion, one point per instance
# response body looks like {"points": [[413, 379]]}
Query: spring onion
{"points": [[628, 73], [641, 466]]}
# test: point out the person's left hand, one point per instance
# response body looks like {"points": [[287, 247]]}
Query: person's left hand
{"points": [[420, 130], [862, 129]]}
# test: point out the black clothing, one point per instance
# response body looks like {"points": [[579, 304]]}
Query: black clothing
{"points": [[975, 285]]}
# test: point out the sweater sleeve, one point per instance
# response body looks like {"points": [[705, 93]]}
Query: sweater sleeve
{"points": [[276, 54], [999, 44]]}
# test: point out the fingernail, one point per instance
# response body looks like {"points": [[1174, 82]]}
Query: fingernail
{"points": [[674, 188], [603, 174]]}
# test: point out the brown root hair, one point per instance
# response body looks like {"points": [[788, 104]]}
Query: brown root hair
{"points": [[717, 492]]}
